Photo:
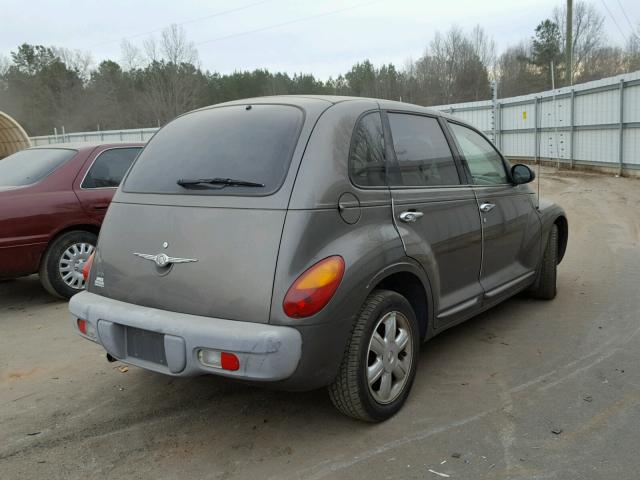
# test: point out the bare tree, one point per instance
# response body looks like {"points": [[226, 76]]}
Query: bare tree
{"points": [[588, 33], [632, 51], [604, 62], [176, 48], [484, 47], [77, 60], [132, 57], [173, 81], [516, 74]]}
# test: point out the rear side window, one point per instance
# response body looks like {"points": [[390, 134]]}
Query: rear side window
{"points": [[484, 162], [109, 167], [31, 166], [366, 156], [250, 143], [423, 154]]}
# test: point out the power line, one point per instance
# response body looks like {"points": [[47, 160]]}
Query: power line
{"points": [[614, 21], [193, 20], [624, 12], [290, 22]]}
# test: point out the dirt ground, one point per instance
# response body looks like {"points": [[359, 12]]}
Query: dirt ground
{"points": [[488, 396]]}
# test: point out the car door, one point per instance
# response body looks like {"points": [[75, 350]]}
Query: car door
{"points": [[436, 216], [96, 186], [510, 225]]}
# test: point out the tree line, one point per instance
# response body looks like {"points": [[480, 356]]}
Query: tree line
{"points": [[46, 87]]}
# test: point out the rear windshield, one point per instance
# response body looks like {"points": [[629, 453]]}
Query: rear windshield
{"points": [[248, 143], [31, 166]]}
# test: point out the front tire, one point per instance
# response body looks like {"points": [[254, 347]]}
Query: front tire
{"points": [[61, 266], [380, 359], [545, 286]]}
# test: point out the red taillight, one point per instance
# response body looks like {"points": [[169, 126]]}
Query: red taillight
{"points": [[229, 361], [314, 288], [86, 268], [82, 326]]}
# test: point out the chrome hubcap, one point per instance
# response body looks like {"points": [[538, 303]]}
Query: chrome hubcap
{"points": [[389, 357], [71, 263]]}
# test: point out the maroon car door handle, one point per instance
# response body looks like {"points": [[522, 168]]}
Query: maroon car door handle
{"points": [[100, 206]]}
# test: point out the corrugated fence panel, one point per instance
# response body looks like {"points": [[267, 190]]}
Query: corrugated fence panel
{"points": [[517, 116], [631, 142], [518, 144], [596, 145], [632, 103], [555, 114], [597, 108]]}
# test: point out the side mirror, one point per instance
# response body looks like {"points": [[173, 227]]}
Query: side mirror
{"points": [[521, 174]]}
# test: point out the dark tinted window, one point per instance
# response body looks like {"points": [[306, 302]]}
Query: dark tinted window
{"points": [[366, 158], [250, 143], [485, 164], [109, 167], [422, 151], [30, 166]]}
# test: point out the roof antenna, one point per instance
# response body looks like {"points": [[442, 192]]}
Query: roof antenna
{"points": [[555, 122]]}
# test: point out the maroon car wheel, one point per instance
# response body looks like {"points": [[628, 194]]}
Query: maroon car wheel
{"points": [[61, 267]]}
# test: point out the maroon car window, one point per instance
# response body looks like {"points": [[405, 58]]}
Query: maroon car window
{"points": [[30, 166], [236, 150], [424, 156], [109, 167]]}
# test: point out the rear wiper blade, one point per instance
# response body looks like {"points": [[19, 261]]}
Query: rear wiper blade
{"points": [[223, 182]]}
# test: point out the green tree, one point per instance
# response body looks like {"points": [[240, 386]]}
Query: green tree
{"points": [[547, 47]]}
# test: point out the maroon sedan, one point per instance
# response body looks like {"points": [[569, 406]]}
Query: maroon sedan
{"points": [[52, 202]]}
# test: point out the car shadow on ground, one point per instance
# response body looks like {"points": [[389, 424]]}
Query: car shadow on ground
{"points": [[24, 292]]}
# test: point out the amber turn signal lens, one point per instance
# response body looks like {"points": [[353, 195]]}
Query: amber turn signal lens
{"points": [[314, 288], [86, 268]]}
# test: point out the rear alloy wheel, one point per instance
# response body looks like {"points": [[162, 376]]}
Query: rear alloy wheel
{"points": [[380, 359], [61, 267]]}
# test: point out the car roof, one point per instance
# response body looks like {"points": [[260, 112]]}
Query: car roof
{"points": [[303, 100], [83, 146]]}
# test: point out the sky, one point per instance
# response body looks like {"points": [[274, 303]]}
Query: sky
{"points": [[321, 37]]}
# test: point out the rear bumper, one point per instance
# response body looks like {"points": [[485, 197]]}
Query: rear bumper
{"points": [[267, 353]]}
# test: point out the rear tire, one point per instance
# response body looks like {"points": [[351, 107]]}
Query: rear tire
{"points": [[545, 286], [53, 262], [380, 359]]}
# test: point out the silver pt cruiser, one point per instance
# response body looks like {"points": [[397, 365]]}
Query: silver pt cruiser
{"points": [[312, 241]]}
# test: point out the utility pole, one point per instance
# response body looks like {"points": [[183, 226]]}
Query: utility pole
{"points": [[569, 45]]}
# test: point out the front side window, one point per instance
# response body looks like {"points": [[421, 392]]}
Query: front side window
{"points": [[109, 167], [366, 157], [30, 166], [423, 154], [241, 150], [484, 162]]}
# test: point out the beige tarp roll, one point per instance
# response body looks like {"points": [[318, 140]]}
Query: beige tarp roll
{"points": [[12, 136]]}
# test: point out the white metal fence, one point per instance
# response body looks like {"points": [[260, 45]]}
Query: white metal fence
{"points": [[595, 123], [132, 135]]}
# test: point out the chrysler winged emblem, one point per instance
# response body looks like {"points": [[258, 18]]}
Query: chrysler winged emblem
{"points": [[163, 260]]}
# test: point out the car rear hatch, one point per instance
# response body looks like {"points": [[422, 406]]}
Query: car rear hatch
{"points": [[205, 248]]}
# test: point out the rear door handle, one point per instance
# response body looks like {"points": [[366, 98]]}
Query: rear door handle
{"points": [[100, 206], [487, 207], [410, 216]]}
